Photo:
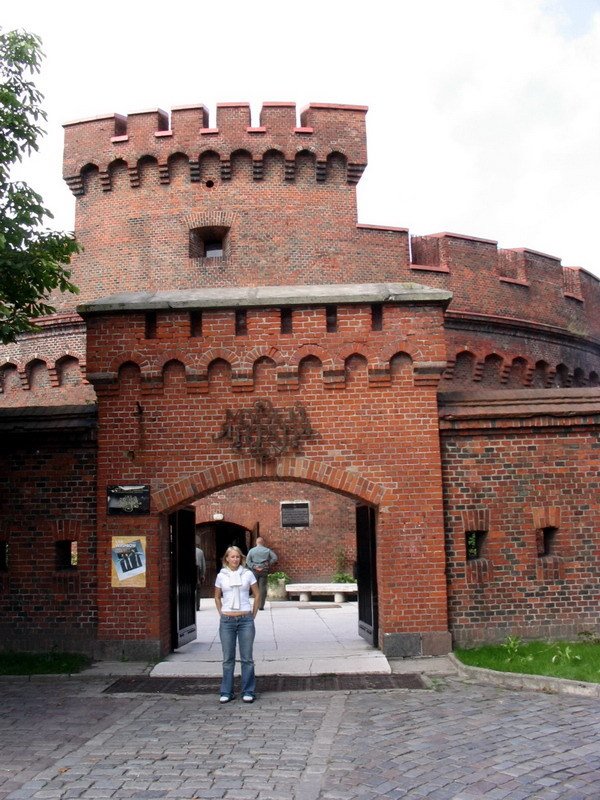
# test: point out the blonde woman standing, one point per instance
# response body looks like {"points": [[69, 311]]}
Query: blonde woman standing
{"points": [[233, 587]]}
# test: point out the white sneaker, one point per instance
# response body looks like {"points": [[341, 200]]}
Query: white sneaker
{"points": [[225, 698], [248, 698]]}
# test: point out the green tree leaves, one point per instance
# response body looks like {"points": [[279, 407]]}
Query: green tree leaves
{"points": [[33, 261]]}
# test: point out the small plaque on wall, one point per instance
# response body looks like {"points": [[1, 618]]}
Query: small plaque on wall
{"points": [[295, 515], [129, 500]]}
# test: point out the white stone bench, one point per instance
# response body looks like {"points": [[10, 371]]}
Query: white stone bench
{"points": [[305, 590]]}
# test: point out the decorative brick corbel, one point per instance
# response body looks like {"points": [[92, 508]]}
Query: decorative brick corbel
{"points": [[75, 184], [380, 375], [134, 177], [334, 378], [428, 373]]}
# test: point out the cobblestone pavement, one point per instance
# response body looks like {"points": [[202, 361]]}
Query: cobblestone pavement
{"points": [[64, 738]]}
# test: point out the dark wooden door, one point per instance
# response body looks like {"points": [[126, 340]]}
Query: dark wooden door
{"points": [[182, 529], [366, 576]]}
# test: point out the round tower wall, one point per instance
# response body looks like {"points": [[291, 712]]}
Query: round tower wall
{"points": [[282, 196]]}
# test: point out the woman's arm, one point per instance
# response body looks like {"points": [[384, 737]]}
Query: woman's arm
{"points": [[218, 598], [256, 598]]}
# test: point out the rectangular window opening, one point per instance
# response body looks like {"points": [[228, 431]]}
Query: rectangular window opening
{"points": [[150, 325], [474, 541], [331, 317], [3, 556], [196, 323], [65, 552], [207, 242], [377, 317], [286, 320], [546, 541], [241, 322], [295, 515]]}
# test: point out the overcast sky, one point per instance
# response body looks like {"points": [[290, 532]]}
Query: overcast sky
{"points": [[484, 115]]}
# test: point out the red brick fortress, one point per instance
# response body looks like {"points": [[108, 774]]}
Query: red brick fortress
{"points": [[449, 385]]}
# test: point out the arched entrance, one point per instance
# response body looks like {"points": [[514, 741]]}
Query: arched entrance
{"points": [[338, 535], [214, 538]]}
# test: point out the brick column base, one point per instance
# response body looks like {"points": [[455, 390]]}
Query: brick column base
{"points": [[409, 645], [128, 650]]}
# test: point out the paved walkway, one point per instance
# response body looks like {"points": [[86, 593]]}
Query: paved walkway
{"points": [[63, 739], [291, 639]]}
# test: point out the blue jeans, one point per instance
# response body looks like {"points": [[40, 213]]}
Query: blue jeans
{"points": [[242, 630]]}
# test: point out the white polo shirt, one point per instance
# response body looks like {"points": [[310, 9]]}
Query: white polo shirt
{"points": [[222, 583]]}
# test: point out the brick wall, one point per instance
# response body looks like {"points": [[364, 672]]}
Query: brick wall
{"points": [[538, 472], [48, 495], [371, 400], [46, 367]]}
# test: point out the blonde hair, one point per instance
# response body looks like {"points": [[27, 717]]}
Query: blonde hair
{"points": [[237, 550]]}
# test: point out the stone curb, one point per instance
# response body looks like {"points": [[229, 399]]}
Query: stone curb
{"points": [[98, 669], [516, 680]]}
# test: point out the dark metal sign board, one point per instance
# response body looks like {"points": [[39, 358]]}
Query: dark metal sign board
{"points": [[295, 515], [128, 500]]}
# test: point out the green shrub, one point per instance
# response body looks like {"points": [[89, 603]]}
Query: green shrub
{"points": [[342, 577], [275, 577]]}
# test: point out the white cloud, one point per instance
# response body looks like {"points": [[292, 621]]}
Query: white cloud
{"points": [[484, 116]]}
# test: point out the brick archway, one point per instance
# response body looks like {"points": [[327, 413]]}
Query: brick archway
{"points": [[244, 520], [231, 473]]}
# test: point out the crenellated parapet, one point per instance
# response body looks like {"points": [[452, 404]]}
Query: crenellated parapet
{"points": [[509, 285], [329, 134], [333, 337]]}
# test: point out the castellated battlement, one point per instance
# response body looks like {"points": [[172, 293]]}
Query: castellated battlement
{"points": [[325, 132], [517, 283]]}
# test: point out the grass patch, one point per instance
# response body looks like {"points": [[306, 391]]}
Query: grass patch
{"points": [[42, 663], [577, 661]]}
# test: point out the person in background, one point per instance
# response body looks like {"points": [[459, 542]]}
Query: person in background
{"points": [[200, 574], [259, 560], [233, 586]]}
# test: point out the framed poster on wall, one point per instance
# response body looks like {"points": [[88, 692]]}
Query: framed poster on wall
{"points": [[128, 556]]}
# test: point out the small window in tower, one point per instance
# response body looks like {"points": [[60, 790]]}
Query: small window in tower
{"points": [[286, 320], [150, 325], [241, 322], [65, 554], [3, 556], [545, 541], [331, 318], [195, 323], [474, 541], [377, 317], [295, 515], [208, 242]]}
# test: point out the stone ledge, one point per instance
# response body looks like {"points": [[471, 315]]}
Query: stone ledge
{"points": [[268, 296], [305, 590], [517, 680]]}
